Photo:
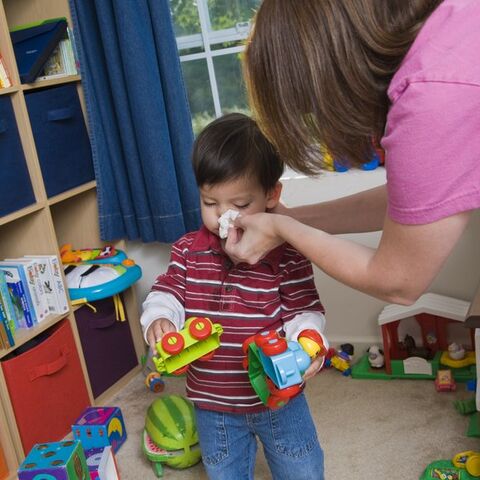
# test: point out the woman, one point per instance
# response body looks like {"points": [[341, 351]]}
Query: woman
{"points": [[337, 74]]}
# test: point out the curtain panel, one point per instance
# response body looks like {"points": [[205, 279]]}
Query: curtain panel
{"points": [[139, 120]]}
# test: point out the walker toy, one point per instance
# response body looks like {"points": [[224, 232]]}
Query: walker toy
{"points": [[275, 366], [94, 274], [198, 340]]}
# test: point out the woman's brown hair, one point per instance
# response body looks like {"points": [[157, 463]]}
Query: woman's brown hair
{"points": [[317, 73]]}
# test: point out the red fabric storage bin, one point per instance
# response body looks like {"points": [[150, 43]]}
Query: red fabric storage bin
{"points": [[47, 387]]}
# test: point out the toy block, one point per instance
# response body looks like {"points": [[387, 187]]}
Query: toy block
{"points": [[55, 461], [101, 464], [99, 427]]}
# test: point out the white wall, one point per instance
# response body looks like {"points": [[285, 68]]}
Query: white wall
{"points": [[351, 316]]}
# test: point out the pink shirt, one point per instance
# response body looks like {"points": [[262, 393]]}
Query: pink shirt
{"points": [[432, 136]]}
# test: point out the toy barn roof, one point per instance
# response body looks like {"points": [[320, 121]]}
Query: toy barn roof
{"points": [[432, 303]]}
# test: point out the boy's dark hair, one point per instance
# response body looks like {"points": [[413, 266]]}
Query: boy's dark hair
{"points": [[231, 147]]}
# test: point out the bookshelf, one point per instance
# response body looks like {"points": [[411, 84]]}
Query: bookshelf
{"points": [[40, 228]]}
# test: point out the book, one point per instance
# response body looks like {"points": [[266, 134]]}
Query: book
{"points": [[56, 281], [6, 300], [35, 286], [5, 333], [17, 283], [5, 81]]}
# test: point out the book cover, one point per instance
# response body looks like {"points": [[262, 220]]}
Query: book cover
{"points": [[30, 267], [6, 300], [20, 304], [6, 333], [46, 277], [4, 76], [16, 279], [34, 44], [56, 284]]}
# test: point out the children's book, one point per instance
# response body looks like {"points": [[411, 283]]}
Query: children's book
{"points": [[6, 300], [5, 333], [18, 283], [39, 300], [56, 281]]}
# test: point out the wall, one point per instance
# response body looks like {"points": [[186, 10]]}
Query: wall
{"points": [[351, 316]]}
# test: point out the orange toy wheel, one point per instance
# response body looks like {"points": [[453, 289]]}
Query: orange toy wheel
{"points": [[265, 337], [207, 357], [282, 393], [274, 402], [200, 328], [173, 343], [274, 347], [247, 343], [181, 370]]}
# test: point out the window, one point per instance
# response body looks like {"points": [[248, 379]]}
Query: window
{"points": [[210, 37]]}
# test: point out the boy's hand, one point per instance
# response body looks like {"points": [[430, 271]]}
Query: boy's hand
{"points": [[157, 329], [314, 368]]}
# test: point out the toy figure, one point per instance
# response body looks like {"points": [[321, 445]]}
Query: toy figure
{"points": [[375, 357], [456, 351]]}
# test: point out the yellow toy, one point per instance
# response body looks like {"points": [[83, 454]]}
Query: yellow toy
{"points": [[468, 460], [469, 359]]}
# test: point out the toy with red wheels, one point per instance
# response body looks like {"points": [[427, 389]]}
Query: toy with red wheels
{"points": [[275, 366], [198, 340]]}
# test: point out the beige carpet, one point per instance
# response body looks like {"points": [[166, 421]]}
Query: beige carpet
{"points": [[369, 429]]}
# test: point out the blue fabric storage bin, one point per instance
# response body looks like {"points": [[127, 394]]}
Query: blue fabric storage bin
{"points": [[61, 138], [15, 188]]}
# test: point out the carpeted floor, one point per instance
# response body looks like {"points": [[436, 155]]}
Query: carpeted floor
{"points": [[369, 429]]}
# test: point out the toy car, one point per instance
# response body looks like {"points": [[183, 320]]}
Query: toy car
{"points": [[445, 382], [275, 366], [198, 340]]}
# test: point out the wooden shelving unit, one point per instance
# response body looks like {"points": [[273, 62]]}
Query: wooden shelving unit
{"points": [[40, 228]]}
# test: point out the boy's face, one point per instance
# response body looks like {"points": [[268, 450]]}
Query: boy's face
{"points": [[243, 194]]}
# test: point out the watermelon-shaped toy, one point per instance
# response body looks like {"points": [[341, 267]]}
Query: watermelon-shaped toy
{"points": [[170, 435]]}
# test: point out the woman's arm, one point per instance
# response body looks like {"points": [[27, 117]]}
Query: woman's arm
{"points": [[399, 271], [360, 212]]}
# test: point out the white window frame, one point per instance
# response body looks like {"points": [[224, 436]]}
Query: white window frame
{"points": [[208, 37]]}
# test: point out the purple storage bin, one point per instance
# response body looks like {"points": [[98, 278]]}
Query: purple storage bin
{"points": [[107, 345]]}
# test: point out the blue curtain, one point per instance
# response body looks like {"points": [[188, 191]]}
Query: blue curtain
{"points": [[140, 127]]}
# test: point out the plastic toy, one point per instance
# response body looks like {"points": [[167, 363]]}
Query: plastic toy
{"points": [[153, 379], [445, 470], [341, 359], [55, 461], [468, 460], [275, 366], [433, 314], [98, 427], [375, 357], [101, 464], [170, 436], [198, 340], [94, 274], [445, 382]]}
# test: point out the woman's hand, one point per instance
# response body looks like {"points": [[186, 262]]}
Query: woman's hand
{"points": [[251, 237]]}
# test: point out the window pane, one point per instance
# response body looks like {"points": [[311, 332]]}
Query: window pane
{"points": [[195, 73], [227, 13], [231, 87], [185, 17]]}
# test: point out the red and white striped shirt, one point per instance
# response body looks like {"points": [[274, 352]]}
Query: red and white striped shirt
{"points": [[244, 299]]}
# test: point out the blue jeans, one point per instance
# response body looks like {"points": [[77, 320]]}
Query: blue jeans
{"points": [[228, 443]]}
